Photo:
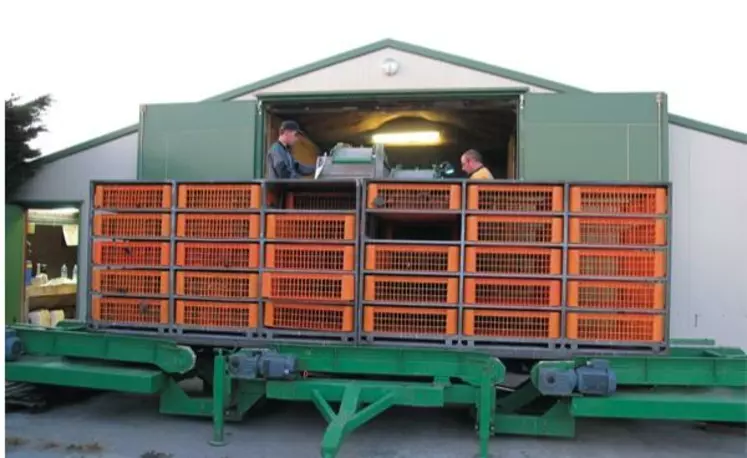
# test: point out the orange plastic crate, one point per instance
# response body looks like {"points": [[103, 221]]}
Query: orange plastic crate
{"points": [[311, 227], [320, 200], [514, 229], [276, 285], [511, 260], [619, 200], [218, 255], [216, 315], [514, 198], [505, 292], [508, 324], [409, 196], [130, 310], [616, 295], [329, 318], [218, 285], [147, 282], [217, 226], [410, 320], [131, 253], [412, 258], [617, 263], [309, 257], [219, 196], [615, 328], [132, 197], [435, 290], [123, 225], [618, 231]]}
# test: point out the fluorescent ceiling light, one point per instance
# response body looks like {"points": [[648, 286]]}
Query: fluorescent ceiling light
{"points": [[409, 138], [55, 211]]}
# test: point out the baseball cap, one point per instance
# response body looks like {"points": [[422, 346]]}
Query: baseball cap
{"points": [[290, 125]]}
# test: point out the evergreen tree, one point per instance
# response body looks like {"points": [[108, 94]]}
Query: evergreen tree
{"points": [[23, 123]]}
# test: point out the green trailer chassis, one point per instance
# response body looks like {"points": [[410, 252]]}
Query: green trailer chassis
{"points": [[699, 382]]}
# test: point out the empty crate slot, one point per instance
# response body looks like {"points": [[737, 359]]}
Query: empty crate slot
{"points": [[409, 320], [616, 295], [511, 260], [500, 292], [512, 325], [311, 227], [514, 229], [412, 289], [329, 318], [303, 200], [412, 258], [615, 200], [617, 263], [217, 226], [131, 253], [512, 198], [141, 282], [308, 286], [615, 328], [219, 196], [124, 225], [618, 231], [408, 196], [130, 310], [216, 315], [309, 257], [218, 255], [446, 228], [217, 285], [132, 197]]}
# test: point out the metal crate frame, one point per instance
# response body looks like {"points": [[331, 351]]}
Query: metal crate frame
{"points": [[295, 336], [363, 215], [519, 347]]}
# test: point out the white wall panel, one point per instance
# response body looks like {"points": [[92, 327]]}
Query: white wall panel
{"points": [[415, 72], [709, 237]]}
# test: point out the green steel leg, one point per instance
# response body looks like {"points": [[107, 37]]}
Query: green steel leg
{"points": [[485, 414], [348, 418], [219, 389]]}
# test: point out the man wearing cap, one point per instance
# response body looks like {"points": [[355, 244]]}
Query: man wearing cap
{"points": [[281, 162]]}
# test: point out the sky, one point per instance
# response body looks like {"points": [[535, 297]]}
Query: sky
{"points": [[101, 60]]}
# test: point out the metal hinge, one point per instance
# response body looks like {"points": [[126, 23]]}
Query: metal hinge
{"points": [[521, 102], [659, 98], [259, 107]]}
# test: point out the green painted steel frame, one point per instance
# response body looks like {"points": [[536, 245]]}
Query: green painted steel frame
{"points": [[699, 382]]}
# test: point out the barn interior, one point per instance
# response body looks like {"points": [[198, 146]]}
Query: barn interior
{"points": [[421, 133]]}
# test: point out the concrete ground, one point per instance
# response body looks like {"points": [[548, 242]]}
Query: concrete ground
{"points": [[124, 426]]}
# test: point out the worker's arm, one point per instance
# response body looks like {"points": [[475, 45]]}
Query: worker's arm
{"points": [[304, 169]]}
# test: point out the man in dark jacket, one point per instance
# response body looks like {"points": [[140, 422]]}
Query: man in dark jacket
{"points": [[281, 163]]}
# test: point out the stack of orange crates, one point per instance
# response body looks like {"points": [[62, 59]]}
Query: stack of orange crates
{"points": [[411, 287], [131, 250], [216, 258], [513, 263], [309, 271], [618, 265]]}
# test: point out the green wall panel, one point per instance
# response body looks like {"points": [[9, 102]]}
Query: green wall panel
{"points": [[15, 241], [198, 141], [594, 137]]}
